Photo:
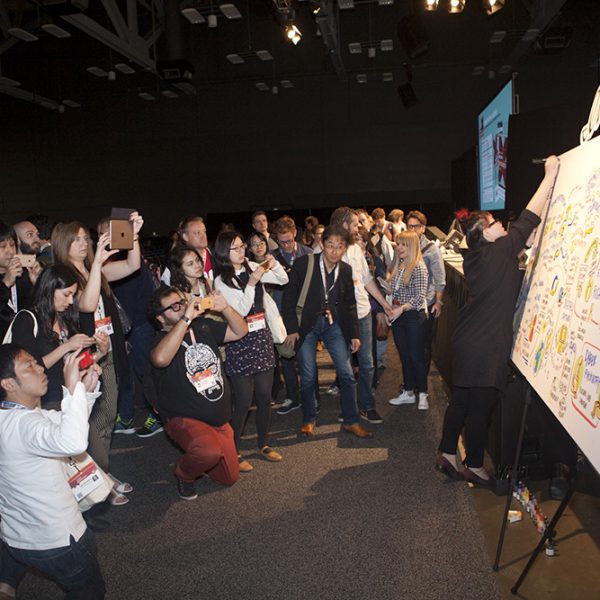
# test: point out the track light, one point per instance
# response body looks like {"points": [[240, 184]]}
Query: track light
{"points": [[293, 34], [493, 6], [431, 4], [456, 6]]}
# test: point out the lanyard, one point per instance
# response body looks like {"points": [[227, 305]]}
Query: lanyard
{"points": [[324, 279], [185, 344], [13, 302], [9, 404]]}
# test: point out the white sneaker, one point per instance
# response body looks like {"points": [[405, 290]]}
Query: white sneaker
{"points": [[423, 402], [405, 397]]}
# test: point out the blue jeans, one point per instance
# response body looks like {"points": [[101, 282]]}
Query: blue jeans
{"points": [[140, 341], [336, 345], [75, 567], [366, 401], [409, 335]]}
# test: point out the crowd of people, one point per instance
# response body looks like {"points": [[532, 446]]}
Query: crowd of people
{"points": [[228, 324]]}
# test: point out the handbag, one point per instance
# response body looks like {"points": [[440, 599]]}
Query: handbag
{"points": [[274, 320], [8, 335], [123, 316], [382, 328], [286, 350], [88, 482]]}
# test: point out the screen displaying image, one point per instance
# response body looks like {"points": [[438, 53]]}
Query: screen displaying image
{"points": [[493, 146]]}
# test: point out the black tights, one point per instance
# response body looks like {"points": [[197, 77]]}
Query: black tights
{"points": [[469, 408], [244, 388]]}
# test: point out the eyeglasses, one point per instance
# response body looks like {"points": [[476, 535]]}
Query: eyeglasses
{"points": [[242, 247], [415, 226], [175, 307], [286, 242], [256, 244]]}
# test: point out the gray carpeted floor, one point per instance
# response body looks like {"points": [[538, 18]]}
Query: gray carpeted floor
{"points": [[337, 518]]}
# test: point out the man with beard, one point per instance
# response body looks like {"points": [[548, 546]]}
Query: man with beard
{"points": [[192, 393]]}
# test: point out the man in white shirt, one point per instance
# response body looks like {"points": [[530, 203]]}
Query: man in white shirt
{"points": [[41, 524], [363, 283]]}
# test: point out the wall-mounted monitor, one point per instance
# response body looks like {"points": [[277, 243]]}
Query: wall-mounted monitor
{"points": [[492, 126]]}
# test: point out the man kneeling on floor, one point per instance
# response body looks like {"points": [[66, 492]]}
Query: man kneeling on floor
{"points": [[192, 394], [41, 525]]}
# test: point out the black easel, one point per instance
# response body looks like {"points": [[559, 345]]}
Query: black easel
{"points": [[513, 474], [549, 533]]}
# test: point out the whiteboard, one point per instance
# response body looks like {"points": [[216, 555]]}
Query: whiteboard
{"points": [[557, 328]]}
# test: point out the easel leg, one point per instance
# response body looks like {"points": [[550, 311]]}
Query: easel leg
{"points": [[548, 533], [513, 475]]}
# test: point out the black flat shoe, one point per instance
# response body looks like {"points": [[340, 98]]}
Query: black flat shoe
{"points": [[473, 478], [443, 465]]}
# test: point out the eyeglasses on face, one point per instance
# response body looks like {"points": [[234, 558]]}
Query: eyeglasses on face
{"points": [[257, 244], [286, 242], [415, 226], [175, 307]]}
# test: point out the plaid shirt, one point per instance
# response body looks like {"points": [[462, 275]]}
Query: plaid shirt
{"points": [[415, 293]]}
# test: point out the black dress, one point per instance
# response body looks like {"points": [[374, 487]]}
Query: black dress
{"points": [[483, 337]]}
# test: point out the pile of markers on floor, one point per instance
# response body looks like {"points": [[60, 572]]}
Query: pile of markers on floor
{"points": [[527, 500]]}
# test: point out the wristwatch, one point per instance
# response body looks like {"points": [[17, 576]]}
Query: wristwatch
{"points": [[186, 320]]}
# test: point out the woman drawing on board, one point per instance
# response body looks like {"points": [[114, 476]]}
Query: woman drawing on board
{"points": [[483, 336]]}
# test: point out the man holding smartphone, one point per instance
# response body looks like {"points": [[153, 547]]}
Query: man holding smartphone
{"points": [[191, 392]]}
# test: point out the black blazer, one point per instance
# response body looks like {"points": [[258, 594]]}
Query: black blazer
{"points": [[343, 307]]}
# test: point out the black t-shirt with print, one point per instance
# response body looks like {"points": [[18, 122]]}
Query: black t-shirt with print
{"points": [[196, 366]]}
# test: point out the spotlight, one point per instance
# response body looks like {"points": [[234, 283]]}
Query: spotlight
{"points": [[493, 6], [431, 4], [293, 34], [456, 6]]}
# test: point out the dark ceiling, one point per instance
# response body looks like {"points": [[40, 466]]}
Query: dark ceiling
{"points": [[56, 68]]}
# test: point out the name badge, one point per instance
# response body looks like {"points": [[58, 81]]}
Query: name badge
{"points": [[256, 322], [104, 325], [85, 481], [203, 380]]}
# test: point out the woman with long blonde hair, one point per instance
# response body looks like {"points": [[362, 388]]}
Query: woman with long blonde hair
{"points": [[409, 300]]}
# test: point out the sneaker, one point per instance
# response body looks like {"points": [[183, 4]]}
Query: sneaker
{"points": [[333, 390], [405, 397], [186, 489], [288, 406], [245, 466], [423, 402], [125, 427], [371, 415], [151, 427]]}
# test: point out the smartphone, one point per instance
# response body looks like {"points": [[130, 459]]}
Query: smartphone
{"points": [[207, 303], [86, 360], [121, 234], [27, 260], [121, 214]]}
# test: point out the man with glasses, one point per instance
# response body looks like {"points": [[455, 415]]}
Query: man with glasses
{"points": [[416, 221], [329, 313], [287, 253], [191, 391]]}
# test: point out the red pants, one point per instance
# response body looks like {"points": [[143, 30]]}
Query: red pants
{"points": [[208, 450]]}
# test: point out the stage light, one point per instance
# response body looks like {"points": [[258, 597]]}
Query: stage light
{"points": [[431, 4], [456, 6], [212, 21], [192, 15], [293, 34], [493, 6]]}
